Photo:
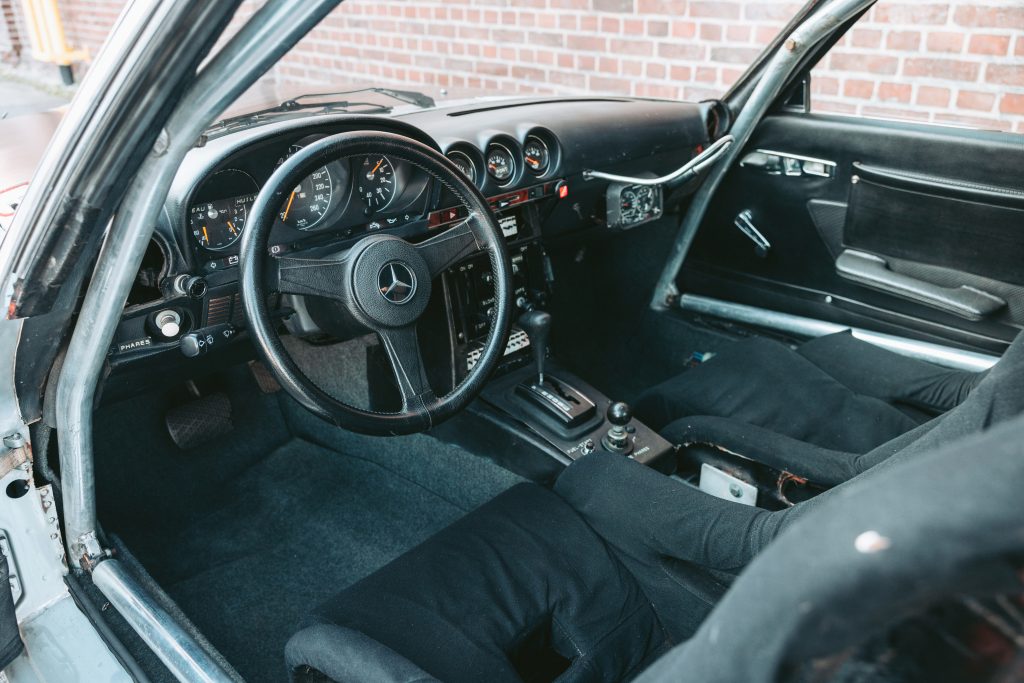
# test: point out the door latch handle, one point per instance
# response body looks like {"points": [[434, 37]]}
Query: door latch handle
{"points": [[745, 222], [792, 165]]}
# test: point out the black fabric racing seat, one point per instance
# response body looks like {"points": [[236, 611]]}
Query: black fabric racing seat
{"points": [[594, 581], [521, 589], [835, 393]]}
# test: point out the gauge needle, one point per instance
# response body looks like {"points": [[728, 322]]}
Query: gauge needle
{"points": [[535, 162], [205, 236], [232, 228], [376, 167], [288, 208]]}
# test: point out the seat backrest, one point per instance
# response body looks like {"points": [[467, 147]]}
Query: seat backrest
{"points": [[945, 522]]}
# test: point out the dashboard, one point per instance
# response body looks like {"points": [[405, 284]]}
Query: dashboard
{"points": [[526, 156]]}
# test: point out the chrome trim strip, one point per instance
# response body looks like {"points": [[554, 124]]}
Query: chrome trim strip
{"points": [[798, 157], [175, 647], [810, 327], [780, 67]]}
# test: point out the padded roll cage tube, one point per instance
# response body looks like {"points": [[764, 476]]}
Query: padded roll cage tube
{"points": [[786, 60], [688, 171], [260, 43]]}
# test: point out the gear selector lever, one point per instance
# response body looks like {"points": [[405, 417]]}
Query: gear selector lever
{"points": [[537, 326]]}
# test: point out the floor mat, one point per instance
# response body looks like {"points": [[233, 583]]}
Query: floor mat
{"points": [[251, 531], [293, 530]]}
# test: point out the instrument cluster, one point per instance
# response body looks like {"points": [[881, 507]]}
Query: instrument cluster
{"points": [[368, 192]]}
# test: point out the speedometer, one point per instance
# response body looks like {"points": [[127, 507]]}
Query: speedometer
{"points": [[308, 202], [376, 182]]}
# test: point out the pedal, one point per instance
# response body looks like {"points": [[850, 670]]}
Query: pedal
{"points": [[201, 420], [265, 380]]}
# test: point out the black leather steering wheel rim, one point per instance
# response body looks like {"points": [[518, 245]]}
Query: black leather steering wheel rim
{"points": [[422, 410]]}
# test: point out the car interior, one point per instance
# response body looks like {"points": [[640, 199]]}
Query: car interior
{"points": [[390, 400]]}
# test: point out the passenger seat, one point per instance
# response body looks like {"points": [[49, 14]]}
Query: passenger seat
{"points": [[835, 392]]}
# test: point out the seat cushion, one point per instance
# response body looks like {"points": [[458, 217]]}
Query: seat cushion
{"points": [[520, 589], [768, 384]]}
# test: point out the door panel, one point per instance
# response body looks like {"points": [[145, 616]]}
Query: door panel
{"points": [[916, 230]]}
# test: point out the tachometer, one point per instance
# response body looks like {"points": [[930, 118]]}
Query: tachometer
{"points": [[308, 202], [376, 182], [218, 224], [500, 163]]}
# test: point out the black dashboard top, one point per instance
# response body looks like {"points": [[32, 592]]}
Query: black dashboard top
{"points": [[502, 145]]}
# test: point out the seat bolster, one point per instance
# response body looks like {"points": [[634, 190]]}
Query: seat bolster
{"points": [[336, 653], [820, 465]]}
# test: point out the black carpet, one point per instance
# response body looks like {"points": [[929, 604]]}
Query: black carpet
{"points": [[251, 531]]}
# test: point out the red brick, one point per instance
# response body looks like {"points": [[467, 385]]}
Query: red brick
{"points": [[948, 69], [824, 85], [716, 10], [945, 41], [911, 13], [983, 44], [930, 96], [982, 101], [684, 29], [614, 6], [859, 89], [711, 32], [1005, 74], [1012, 104], [876, 64], [863, 37], [988, 16], [903, 40], [894, 92]]}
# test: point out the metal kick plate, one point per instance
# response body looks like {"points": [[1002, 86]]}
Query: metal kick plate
{"points": [[725, 486]]}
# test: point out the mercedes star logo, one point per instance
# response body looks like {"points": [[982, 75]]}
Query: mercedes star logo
{"points": [[397, 282]]}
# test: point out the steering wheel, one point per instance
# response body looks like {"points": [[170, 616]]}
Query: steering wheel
{"points": [[382, 282]]}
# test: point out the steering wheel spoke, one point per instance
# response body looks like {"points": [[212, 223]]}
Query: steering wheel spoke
{"points": [[403, 348], [324, 277], [444, 250]]}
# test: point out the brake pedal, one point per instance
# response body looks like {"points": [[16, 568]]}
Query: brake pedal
{"points": [[200, 420]]}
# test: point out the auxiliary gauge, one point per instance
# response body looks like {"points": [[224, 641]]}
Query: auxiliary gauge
{"points": [[501, 165]]}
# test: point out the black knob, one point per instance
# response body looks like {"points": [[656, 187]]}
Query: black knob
{"points": [[537, 325], [196, 287], [619, 414]]}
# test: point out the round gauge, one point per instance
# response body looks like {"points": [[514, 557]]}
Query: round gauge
{"points": [[536, 155], [464, 164], [376, 182], [218, 224], [636, 204], [308, 202], [501, 164]]}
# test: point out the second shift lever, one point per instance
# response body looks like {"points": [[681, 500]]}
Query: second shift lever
{"points": [[537, 326]]}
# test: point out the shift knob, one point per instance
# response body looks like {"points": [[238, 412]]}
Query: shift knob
{"points": [[537, 326], [617, 439], [619, 414]]}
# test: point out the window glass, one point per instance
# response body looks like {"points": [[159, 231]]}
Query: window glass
{"points": [[953, 63]]}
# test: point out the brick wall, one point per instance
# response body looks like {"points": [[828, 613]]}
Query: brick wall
{"points": [[958, 62]]}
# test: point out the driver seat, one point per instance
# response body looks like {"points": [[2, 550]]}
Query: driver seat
{"points": [[519, 590]]}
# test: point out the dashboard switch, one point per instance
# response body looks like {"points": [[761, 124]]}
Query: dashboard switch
{"points": [[167, 323], [202, 341]]}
